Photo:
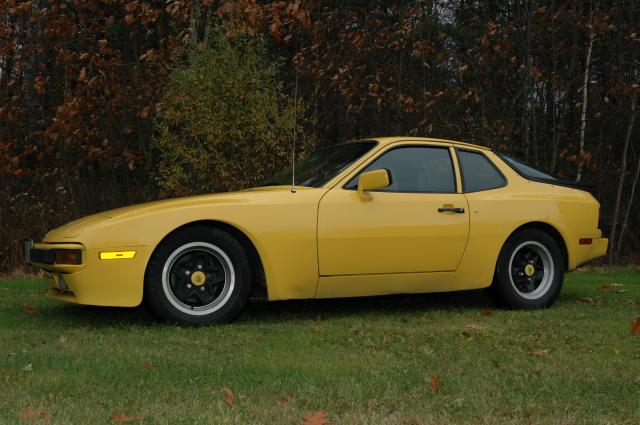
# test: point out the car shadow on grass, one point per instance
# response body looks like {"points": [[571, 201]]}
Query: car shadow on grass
{"points": [[71, 315], [365, 306]]}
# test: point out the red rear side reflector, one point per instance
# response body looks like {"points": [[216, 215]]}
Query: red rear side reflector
{"points": [[585, 241]]}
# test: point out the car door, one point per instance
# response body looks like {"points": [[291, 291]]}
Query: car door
{"points": [[419, 223]]}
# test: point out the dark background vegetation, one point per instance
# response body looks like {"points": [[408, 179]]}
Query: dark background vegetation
{"points": [[107, 103]]}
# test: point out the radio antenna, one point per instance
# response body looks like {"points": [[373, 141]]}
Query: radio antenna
{"points": [[295, 125]]}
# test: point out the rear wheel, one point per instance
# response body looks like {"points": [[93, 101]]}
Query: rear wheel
{"points": [[199, 275], [529, 272]]}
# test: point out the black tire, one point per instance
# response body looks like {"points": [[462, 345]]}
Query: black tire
{"points": [[529, 272], [199, 275]]}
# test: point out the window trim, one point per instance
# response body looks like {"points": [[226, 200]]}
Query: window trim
{"points": [[409, 145], [505, 181]]}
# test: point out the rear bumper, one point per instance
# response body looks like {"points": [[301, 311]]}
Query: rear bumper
{"points": [[598, 248], [580, 254]]}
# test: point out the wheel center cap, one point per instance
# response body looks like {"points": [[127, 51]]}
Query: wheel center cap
{"points": [[198, 278], [529, 270]]}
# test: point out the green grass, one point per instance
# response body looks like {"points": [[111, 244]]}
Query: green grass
{"points": [[363, 361]]}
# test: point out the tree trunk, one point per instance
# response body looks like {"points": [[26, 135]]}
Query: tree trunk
{"points": [[623, 170], [625, 221], [585, 85]]}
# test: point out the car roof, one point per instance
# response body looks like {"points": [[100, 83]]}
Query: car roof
{"points": [[388, 140]]}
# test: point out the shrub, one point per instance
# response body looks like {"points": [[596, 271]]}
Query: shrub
{"points": [[224, 122]]}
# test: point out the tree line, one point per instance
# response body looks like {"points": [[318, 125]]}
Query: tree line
{"points": [[112, 102]]}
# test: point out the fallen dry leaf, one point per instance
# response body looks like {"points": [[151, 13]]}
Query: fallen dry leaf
{"points": [[588, 300], [228, 396], [62, 339], [121, 418], [317, 418], [285, 399], [436, 383], [486, 312], [147, 365], [635, 326], [540, 352], [610, 287], [638, 268], [32, 415], [475, 326], [30, 309]]}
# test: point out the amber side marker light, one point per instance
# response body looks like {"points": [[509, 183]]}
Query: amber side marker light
{"points": [[117, 255], [585, 241]]}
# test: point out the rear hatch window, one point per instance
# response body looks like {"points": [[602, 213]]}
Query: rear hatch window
{"points": [[531, 173]]}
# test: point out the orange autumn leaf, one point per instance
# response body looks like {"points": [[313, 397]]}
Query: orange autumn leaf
{"points": [[486, 312], [436, 383], [635, 326], [540, 352], [228, 396], [274, 30], [147, 365], [121, 418], [475, 326], [30, 309], [317, 418], [131, 6], [39, 414], [609, 287], [285, 399]]}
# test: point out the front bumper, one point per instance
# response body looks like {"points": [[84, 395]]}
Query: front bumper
{"points": [[117, 283]]}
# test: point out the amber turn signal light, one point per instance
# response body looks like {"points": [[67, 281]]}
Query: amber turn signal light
{"points": [[68, 256]]}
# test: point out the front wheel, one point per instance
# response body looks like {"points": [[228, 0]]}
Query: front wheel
{"points": [[200, 275], [529, 271]]}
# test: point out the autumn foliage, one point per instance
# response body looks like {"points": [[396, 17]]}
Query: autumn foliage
{"points": [[224, 122], [88, 92]]}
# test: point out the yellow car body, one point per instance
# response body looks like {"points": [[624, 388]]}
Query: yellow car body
{"points": [[330, 242]]}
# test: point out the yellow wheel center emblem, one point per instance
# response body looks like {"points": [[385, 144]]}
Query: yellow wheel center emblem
{"points": [[529, 270], [198, 278]]}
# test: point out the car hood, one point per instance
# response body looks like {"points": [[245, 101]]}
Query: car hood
{"points": [[75, 228]]}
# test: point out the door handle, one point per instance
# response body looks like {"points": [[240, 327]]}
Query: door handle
{"points": [[457, 210]]}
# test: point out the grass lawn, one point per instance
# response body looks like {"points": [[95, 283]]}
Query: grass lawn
{"points": [[446, 358]]}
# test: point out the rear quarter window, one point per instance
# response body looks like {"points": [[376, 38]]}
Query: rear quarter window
{"points": [[478, 172]]}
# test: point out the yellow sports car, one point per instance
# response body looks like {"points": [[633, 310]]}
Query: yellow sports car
{"points": [[371, 217]]}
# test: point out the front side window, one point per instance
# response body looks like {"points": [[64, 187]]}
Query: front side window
{"points": [[478, 173], [415, 169]]}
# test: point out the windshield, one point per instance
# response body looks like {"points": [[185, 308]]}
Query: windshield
{"points": [[322, 165], [525, 169]]}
